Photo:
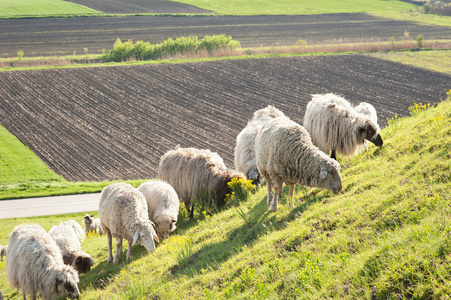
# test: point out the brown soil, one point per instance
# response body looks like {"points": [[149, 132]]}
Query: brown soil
{"points": [[116, 122]]}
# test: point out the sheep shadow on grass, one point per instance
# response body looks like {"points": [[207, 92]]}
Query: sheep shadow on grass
{"points": [[258, 222]]}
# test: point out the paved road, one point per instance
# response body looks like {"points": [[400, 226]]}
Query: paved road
{"points": [[43, 206]]}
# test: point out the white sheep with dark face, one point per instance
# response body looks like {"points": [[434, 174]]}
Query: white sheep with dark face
{"points": [[336, 127], [92, 224], [35, 265], [285, 154], [124, 215]]}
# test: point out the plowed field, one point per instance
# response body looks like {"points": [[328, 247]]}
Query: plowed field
{"points": [[51, 36], [116, 122]]}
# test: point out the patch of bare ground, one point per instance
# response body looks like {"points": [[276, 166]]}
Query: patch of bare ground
{"points": [[116, 122]]}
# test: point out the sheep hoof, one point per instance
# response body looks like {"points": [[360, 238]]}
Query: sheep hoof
{"points": [[273, 208]]}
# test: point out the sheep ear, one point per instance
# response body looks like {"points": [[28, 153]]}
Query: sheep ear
{"points": [[135, 238], [155, 237], [323, 173], [173, 226]]}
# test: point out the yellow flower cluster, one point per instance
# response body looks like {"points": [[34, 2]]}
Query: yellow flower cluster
{"points": [[416, 108]]}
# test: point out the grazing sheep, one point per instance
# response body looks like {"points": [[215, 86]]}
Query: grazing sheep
{"points": [[34, 264], [92, 224], [67, 236], [163, 205], [123, 214], [245, 161], [285, 154], [3, 250], [192, 171], [336, 127]]}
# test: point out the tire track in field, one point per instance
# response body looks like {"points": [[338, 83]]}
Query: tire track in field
{"points": [[116, 122]]}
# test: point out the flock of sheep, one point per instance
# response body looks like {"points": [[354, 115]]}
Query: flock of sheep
{"points": [[271, 147]]}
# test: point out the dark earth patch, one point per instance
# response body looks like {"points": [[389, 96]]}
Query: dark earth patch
{"points": [[116, 122], [140, 6], [43, 37]]}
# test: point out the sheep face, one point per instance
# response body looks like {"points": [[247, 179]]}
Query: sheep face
{"points": [[330, 178], [370, 132], [164, 225], [67, 284], [146, 238], [88, 220], [83, 264], [254, 176]]}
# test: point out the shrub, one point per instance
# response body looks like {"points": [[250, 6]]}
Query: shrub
{"points": [[420, 41], [20, 54]]}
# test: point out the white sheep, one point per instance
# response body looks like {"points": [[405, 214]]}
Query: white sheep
{"points": [[67, 236], [193, 172], [163, 206], [124, 215], [245, 161], [285, 154], [92, 224], [34, 264], [336, 127], [3, 250]]}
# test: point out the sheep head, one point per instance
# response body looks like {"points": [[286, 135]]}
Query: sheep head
{"points": [[88, 219], [254, 176], [370, 132], [146, 237], [329, 177], [164, 224], [66, 283], [82, 263]]}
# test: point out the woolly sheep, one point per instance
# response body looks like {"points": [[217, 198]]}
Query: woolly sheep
{"points": [[285, 154], [192, 171], [336, 127], [3, 250], [124, 215], [92, 224], [163, 206], [67, 236], [34, 264], [245, 161]]}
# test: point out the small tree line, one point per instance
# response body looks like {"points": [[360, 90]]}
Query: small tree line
{"points": [[140, 50]]}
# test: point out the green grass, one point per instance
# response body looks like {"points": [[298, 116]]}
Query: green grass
{"points": [[271, 7], [43, 8], [414, 16], [435, 60], [384, 236]]}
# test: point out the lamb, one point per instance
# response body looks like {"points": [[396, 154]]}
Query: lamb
{"points": [[336, 127], [285, 154], [67, 236], [163, 206], [34, 264], [92, 224], [192, 171], [3, 250], [123, 214], [245, 160]]}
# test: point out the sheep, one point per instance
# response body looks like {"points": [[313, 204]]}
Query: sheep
{"points": [[336, 127], [123, 214], [34, 264], [3, 250], [67, 236], [163, 206], [245, 161], [285, 154], [92, 224], [193, 171]]}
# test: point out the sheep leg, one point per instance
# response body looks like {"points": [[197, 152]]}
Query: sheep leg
{"points": [[290, 194], [277, 195], [24, 297], [118, 250], [269, 188], [110, 241], [333, 154], [129, 250]]}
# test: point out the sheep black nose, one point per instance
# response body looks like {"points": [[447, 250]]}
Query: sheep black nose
{"points": [[378, 141]]}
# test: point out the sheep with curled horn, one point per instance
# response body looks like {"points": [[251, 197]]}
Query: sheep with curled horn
{"points": [[337, 128], [192, 171], [245, 160]]}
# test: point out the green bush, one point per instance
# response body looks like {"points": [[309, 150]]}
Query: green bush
{"points": [[182, 45], [420, 41]]}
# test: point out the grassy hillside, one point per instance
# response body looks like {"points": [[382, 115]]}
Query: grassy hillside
{"points": [[268, 7], [384, 236], [43, 8]]}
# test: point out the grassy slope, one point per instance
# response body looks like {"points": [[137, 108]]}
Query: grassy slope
{"points": [[271, 7], [43, 8], [385, 235]]}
